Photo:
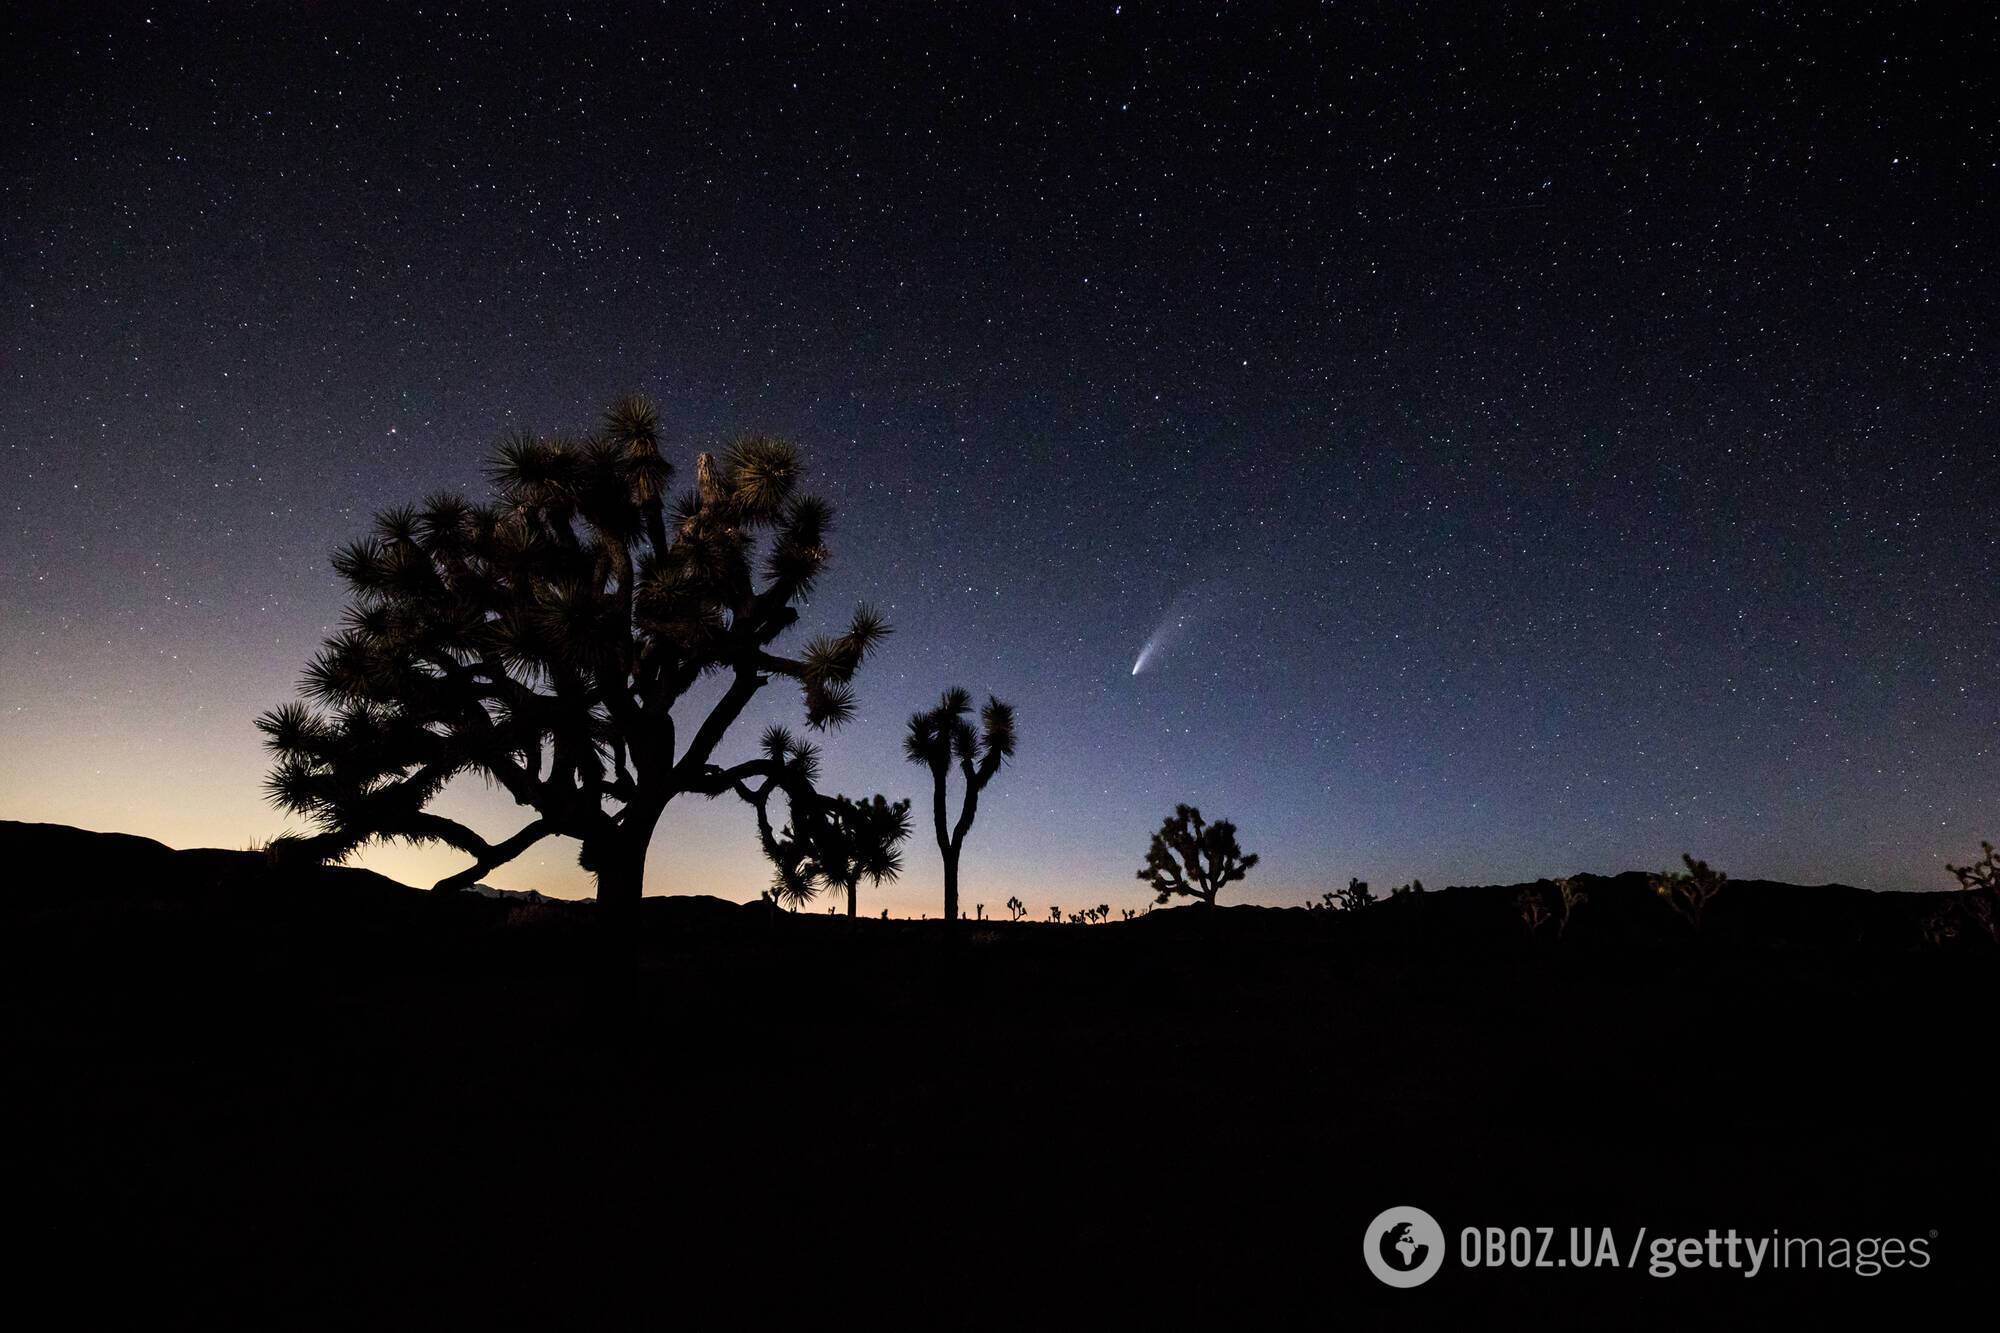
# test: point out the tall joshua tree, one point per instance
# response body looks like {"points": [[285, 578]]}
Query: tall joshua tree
{"points": [[542, 639], [1193, 859], [937, 738]]}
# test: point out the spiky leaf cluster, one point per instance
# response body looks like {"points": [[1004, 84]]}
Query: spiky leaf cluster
{"points": [[938, 736]]}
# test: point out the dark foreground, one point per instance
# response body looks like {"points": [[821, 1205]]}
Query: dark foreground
{"points": [[298, 1097]]}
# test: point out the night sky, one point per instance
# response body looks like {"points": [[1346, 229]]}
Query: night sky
{"points": [[1533, 440]]}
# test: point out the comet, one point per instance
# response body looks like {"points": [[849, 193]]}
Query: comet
{"points": [[1189, 607]]}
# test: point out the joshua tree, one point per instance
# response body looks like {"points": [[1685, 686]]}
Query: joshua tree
{"points": [[938, 737], [1016, 909], [1534, 911], [867, 843], [1569, 897], [847, 840], [1055, 914], [1208, 857], [1355, 896], [1690, 893], [1981, 874], [542, 639]]}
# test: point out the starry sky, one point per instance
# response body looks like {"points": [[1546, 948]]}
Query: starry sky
{"points": [[1532, 439]]}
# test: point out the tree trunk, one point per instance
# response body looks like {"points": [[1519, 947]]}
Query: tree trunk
{"points": [[951, 884], [850, 901], [621, 879], [617, 856]]}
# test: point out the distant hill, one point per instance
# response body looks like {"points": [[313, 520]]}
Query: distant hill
{"points": [[55, 865], [514, 895]]}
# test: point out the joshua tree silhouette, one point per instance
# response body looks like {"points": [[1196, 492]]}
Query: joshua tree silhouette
{"points": [[541, 640], [1689, 893], [847, 840], [867, 843], [1980, 875], [1209, 858], [937, 737]]}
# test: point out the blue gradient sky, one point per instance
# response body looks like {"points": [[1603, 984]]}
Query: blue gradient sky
{"points": [[1581, 433]]}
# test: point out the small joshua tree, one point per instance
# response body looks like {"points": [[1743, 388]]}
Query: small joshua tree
{"points": [[1016, 909], [1939, 927], [865, 841], [1983, 874], [1969, 914], [831, 842], [1055, 914], [1689, 893], [1193, 859], [1355, 896], [1534, 911], [1569, 897], [935, 739]]}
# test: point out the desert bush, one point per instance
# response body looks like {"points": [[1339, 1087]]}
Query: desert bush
{"points": [[531, 915]]}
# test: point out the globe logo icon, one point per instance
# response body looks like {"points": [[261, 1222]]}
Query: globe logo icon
{"points": [[1404, 1247], [1408, 1250]]}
